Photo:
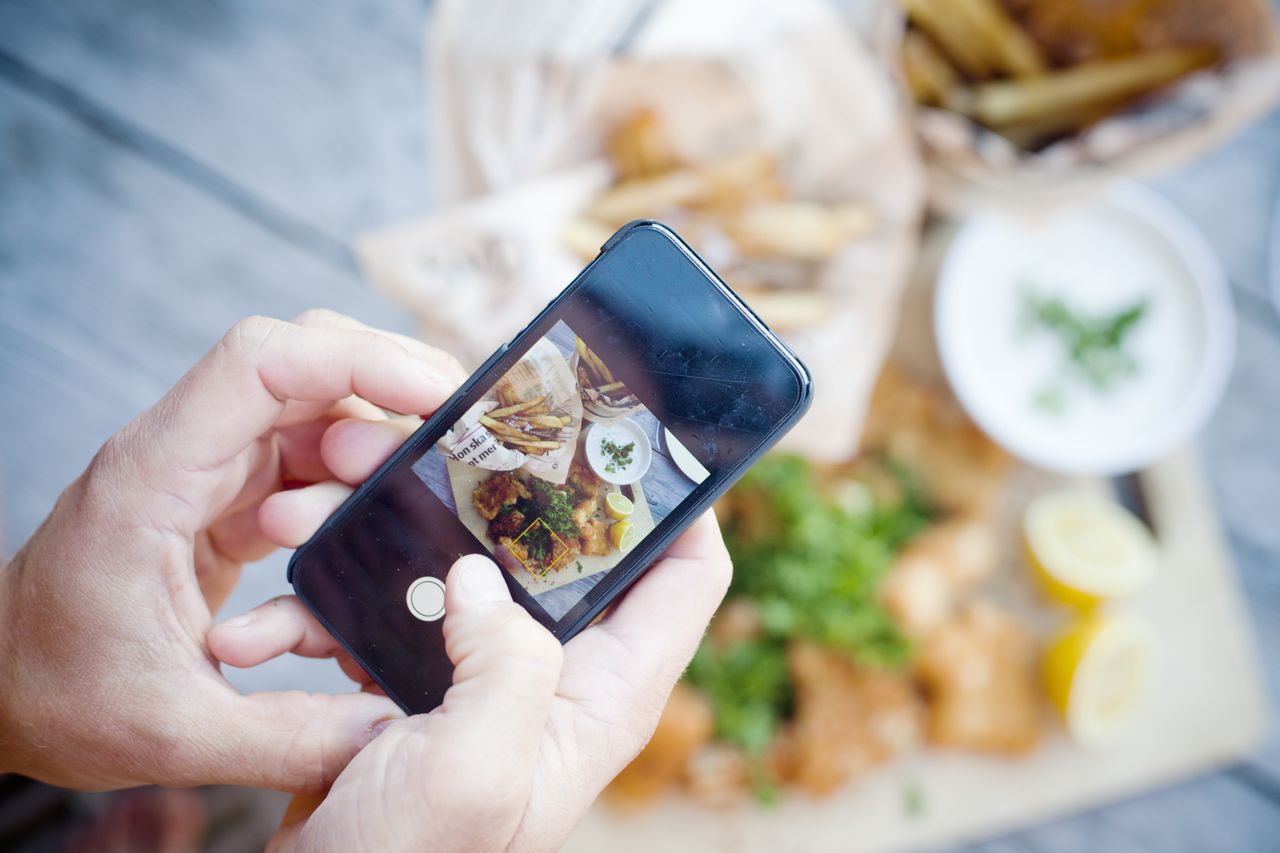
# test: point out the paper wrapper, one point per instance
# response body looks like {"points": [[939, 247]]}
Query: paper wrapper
{"points": [[970, 167], [542, 372], [520, 122]]}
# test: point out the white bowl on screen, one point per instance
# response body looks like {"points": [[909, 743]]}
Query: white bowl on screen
{"points": [[1098, 257]]}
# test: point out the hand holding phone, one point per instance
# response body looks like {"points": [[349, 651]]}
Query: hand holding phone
{"points": [[529, 735], [573, 457]]}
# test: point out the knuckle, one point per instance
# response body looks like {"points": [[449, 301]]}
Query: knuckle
{"points": [[250, 333], [320, 317]]}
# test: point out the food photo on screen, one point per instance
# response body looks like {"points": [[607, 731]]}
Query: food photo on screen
{"points": [[559, 470]]}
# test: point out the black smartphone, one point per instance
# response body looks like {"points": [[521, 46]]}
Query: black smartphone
{"points": [[573, 457]]}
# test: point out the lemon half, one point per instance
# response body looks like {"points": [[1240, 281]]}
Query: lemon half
{"points": [[1086, 548], [618, 506], [624, 536], [1097, 674]]}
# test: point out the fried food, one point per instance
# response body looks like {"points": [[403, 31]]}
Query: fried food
{"points": [[1097, 85], [685, 725], [770, 244], [930, 77], [497, 492], [979, 671], [595, 538], [959, 469], [640, 148], [797, 230], [936, 571], [509, 523], [849, 719], [1037, 71]]}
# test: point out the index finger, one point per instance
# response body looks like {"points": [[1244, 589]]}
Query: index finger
{"points": [[236, 392]]}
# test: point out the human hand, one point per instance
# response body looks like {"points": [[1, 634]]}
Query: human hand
{"points": [[529, 733], [105, 678]]}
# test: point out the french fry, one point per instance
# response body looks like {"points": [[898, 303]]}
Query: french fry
{"points": [[930, 77], [639, 147], [1013, 50], [502, 429], [554, 421], [641, 197], [798, 230], [790, 309], [539, 409], [951, 33], [516, 407], [1092, 84], [611, 386]]}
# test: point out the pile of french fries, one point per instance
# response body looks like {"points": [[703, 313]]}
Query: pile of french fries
{"points": [[974, 57], [737, 211], [526, 425], [602, 393]]}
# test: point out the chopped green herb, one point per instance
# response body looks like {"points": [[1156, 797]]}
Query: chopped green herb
{"points": [[1094, 345], [913, 800], [618, 455], [812, 565]]}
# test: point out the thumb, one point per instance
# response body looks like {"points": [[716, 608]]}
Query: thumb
{"points": [[506, 665]]}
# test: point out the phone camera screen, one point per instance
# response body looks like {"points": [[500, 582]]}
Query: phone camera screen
{"points": [[560, 470]]}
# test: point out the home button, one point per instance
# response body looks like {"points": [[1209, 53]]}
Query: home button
{"points": [[426, 599]]}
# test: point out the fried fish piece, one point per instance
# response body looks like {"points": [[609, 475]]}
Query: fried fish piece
{"points": [[582, 478], [936, 570], [979, 670], [499, 491], [849, 718], [509, 523], [584, 509], [595, 538]]}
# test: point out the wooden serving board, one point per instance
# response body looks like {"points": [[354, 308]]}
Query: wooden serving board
{"points": [[464, 478], [1206, 708]]}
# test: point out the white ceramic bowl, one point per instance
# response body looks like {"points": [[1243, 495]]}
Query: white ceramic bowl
{"points": [[1098, 257], [621, 431]]}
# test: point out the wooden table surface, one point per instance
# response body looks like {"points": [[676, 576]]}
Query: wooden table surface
{"points": [[166, 168]]}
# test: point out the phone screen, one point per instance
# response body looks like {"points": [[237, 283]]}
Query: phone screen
{"points": [[571, 458], [560, 470]]}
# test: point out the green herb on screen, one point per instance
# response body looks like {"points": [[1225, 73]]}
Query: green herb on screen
{"points": [[618, 455]]}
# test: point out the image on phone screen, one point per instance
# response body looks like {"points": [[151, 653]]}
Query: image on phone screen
{"points": [[559, 470]]}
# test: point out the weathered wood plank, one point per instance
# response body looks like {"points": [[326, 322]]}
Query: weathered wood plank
{"points": [[317, 107], [114, 278]]}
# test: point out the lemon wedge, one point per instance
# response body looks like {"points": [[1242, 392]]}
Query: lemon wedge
{"points": [[624, 536], [618, 506], [1087, 549], [1097, 674]]}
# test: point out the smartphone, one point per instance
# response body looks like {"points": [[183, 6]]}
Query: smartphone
{"points": [[573, 457]]}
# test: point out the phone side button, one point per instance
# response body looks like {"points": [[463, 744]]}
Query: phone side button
{"points": [[425, 599]]}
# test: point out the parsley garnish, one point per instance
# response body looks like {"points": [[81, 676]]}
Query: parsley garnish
{"points": [[1093, 344], [618, 455]]}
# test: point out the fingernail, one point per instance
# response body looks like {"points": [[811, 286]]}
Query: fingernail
{"points": [[239, 621], [482, 582]]}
